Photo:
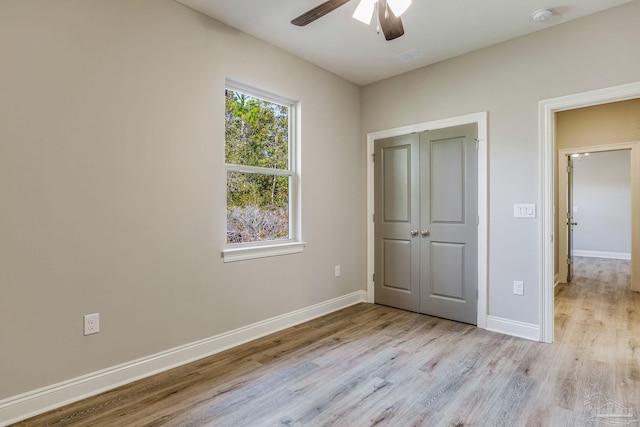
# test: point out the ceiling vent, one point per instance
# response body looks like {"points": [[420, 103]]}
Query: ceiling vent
{"points": [[409, 55]]}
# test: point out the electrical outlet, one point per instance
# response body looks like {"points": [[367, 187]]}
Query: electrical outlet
{"points": [[518, 287], [337, 271], [91, 323]]}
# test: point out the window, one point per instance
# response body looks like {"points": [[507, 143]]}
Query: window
{"points": [[260, 160]]}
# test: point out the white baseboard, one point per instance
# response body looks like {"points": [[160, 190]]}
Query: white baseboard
{"points": [[512, 327], [600, 254], [17, 408], [556, 280]]}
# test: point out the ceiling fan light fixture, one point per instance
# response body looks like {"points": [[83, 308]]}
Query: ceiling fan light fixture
{"points": [[364, 11], [398, 7]]}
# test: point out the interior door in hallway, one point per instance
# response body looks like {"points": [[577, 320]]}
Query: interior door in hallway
{"points": [[570, 222], [426, 223]]}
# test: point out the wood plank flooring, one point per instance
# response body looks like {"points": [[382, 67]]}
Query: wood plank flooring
{"points": [[370, 365]]}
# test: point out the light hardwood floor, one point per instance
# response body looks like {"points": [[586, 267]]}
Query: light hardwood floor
{"points": [[373, 365]]}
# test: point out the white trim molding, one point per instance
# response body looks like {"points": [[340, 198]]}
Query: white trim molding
{"points": [[546, 115], [481, 119], [512, 327], [35, 402], [601, 254], [242, 253]]}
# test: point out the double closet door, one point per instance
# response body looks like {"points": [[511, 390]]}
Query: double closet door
{"points": [[426, 222]]}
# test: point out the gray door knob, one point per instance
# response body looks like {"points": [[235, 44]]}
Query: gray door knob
{"points": [[425, 233], [414, 232]]}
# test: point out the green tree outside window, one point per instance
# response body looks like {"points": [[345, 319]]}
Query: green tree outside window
{"points": [[257, 147]]}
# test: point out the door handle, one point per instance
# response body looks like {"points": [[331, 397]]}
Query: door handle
{"points": [[425, 233], [414, 232]]}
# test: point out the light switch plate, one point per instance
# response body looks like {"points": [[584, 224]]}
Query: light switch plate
{"points": [[524, 210]]}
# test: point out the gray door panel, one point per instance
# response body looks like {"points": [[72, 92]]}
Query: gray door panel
{"points": [[397, 208], [449, 196]]}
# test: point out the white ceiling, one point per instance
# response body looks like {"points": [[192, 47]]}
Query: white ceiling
{"points": [[440, 29]]}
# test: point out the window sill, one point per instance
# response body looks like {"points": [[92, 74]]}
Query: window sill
{"points": [[252, 252]]}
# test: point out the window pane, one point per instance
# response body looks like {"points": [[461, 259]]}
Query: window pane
{"points": [[257, 207], [257, 131]]}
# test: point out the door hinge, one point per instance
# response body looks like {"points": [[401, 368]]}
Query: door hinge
{"points": [[373, 157], [477, 219], [568, 261], [374, 277], [477, 144], [568, 169], [373, 217]]}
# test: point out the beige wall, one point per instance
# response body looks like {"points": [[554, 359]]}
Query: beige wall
{"points": [[113, 189], [601, 124], [508, 80], [112, 185], [611, 123]]}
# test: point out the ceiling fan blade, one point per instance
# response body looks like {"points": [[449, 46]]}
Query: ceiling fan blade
{"points": [[391, 24], [318, 12]]}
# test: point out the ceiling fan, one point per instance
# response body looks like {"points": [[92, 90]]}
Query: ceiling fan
{"points": [[389, 12]]}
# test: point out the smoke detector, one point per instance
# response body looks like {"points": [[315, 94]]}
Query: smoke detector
{"points": [[541, 15]]}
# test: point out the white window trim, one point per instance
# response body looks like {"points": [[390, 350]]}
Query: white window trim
{"points": [[253, 250], [231, 254]]}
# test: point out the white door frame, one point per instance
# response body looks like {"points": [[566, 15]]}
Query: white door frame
{"points": [[481, 120], [546, 116]]}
